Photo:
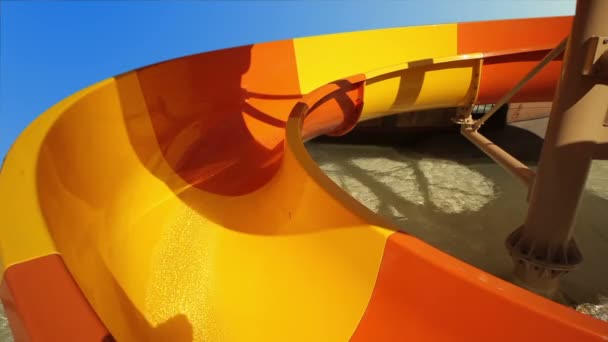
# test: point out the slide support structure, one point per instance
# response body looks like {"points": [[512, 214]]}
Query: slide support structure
{"points": [[543, 248], [470, 128], [500, 156]]}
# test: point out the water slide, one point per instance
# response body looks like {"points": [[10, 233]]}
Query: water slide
{"points": [[177, 202]]}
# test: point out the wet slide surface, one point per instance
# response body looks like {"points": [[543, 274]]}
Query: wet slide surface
{"points": [[177, 201]]}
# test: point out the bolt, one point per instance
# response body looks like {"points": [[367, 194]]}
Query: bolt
{"points": [[605, 41]]}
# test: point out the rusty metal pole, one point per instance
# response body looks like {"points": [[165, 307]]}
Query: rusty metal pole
{"points": [[543, 248]]}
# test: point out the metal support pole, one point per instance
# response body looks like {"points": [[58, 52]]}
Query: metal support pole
{"points": [[469, 128], [543, 248], [500, 156]]}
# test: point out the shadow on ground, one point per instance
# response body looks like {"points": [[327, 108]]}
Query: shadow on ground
{"points": [[442, 189]]}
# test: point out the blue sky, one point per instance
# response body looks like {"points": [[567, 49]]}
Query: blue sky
{"points": [[50, 49]]}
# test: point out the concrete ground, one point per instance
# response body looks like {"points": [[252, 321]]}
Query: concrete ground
{"points": [[5, 331], [443, 190]]}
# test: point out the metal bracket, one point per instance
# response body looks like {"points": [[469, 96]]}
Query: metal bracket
{"points": [[463, 114], [596, 57]]}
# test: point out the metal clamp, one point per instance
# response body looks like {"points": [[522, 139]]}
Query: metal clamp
{"points": [[596, 57]]}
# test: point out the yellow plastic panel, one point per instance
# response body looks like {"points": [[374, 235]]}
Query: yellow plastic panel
{"points": [[323, 59], [18, 184], [160, 259], [419, 87]]}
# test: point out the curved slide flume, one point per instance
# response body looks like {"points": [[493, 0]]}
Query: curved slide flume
{"points": [[178, 202]]}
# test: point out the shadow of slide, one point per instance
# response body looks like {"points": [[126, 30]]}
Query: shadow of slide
{"points": [[445, 191]]}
